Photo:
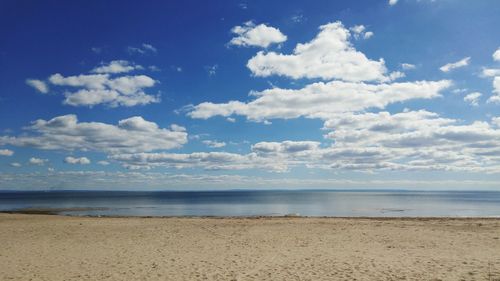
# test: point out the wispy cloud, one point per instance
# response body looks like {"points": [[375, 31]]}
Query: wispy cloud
{"points": [[143, 49], [454, 65], [39, 85]]}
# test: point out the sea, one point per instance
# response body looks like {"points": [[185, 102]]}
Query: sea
{"points": [[234, 203]]}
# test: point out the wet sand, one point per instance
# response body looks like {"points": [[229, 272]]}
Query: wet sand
{"points": [[44, 247]]}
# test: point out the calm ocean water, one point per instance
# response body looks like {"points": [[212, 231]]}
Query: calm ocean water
{"points": [[254, 203]]}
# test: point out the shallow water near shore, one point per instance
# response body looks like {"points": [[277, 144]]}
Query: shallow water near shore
{"points": [[382, 203]]}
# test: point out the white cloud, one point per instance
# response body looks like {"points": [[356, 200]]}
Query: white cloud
{"points": [[130, 135], [293, 147], [204, 160], [496, 85], [407, 66], [38, 85], [260, 35], [359, 31], [459, 90], [491, 72], [393, 2], [328, 56], [496, 55], [320, 100], [473, 98], [396, 75], [6, 152], [90, 81], [149, 47], [367, 142], [495, 121], [495, 73], [450, 66], [414, 140], [37, 161], [15, 164], [495, 98], [270, 156], [101, 89], [76, 160], [103, 163], [368, 35], [116, 66], [142, 50], [214, 144]]}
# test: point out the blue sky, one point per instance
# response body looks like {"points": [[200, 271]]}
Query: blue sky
{"points": [[249, 94]]}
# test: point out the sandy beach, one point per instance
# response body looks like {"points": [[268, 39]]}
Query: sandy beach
{"points": [[43, 247]]}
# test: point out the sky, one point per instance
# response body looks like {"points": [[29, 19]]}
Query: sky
{"points": [[195, 95]]}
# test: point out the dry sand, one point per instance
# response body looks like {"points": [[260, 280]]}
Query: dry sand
{"points": [[41, 247]]}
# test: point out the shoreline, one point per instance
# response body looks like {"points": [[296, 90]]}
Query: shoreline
{"points": [[58, 212]]}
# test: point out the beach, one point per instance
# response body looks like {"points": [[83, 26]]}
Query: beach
{"points": [[51, 247]]}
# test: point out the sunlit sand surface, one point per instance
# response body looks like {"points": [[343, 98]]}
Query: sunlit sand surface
{"points": [[42, 247]]}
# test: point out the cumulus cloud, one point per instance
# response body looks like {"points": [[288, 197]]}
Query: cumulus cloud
{"points": [[495, 98], [415, 140], [453, 65], [495, 73], [368, 35], [6, 152], [15, 164], [473, 98], [393, 2], [39, 85], [320, 100], [496, 55], [116, 66], [103, 163], [362, 140], [97, 89], [214, 144], [76, 160], [409, 140], [330, 55], [37, 161], [100, 87], [130, 135], [359, 31], [260, 35]]}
